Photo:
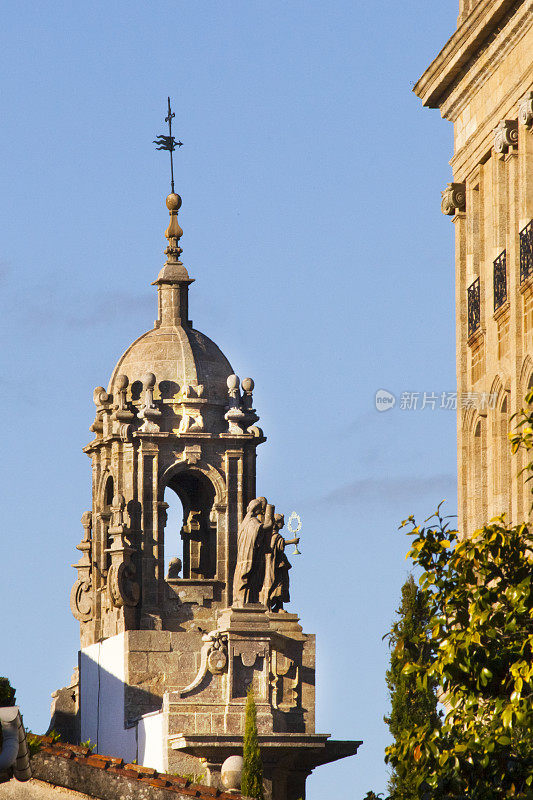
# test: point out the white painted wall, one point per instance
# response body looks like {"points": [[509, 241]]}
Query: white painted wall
{"points": [[151, 741], [102, 676], [102, 673]]}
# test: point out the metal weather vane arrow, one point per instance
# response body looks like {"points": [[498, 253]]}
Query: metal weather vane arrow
{"points": [[168, 143]]}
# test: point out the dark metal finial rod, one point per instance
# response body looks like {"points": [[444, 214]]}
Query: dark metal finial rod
{"points": [[168, 143]]}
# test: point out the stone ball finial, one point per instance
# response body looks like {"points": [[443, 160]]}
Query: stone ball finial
{"points": [[230, 773], [121, 382], [173, 202], [149, 380], [248, 384], [118, 501], [233, 382], [174, 568]]}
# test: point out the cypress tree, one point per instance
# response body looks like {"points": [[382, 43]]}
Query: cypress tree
{"points": [[410, 706], [252, 768]]}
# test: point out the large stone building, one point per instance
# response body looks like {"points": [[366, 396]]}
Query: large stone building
{"points": [[482, 80], [167, 657]]}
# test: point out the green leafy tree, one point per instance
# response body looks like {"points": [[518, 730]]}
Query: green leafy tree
{"points": [[411, 705], [480, 637], [252, 769], [7, 693], [480, 641]]}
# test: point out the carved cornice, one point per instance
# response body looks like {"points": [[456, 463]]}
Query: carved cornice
{"points": [[453, 199], [505, 135], [463, 47], [525, 110]]}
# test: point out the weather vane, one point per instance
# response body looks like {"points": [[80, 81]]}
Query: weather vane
{"points": [[168, 143]]}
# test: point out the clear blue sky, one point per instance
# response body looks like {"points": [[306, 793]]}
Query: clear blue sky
{"points": [[310, 179]]}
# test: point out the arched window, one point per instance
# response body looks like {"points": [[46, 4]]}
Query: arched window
{"points": [[504, 459], [105, 517], [190, 497], [109, 493], [478, 483], [174, 521]]}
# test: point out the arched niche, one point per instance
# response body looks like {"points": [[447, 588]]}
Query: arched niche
{"points": [[197, 527], [106, 500], [478, 473]]}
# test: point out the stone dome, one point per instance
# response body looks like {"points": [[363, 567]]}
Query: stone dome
{"points": [[177, 355]]}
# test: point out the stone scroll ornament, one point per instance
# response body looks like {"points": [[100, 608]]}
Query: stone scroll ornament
{"points": [[122, 587], [81, 595], [453, 199], [121, 584], [505, 135], [213, 659], [525, 110]]}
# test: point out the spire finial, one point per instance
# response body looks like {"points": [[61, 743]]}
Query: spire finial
{"points": [[168, 143], [174, 231], [173, 201]]}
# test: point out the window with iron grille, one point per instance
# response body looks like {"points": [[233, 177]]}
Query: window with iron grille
{"points": [[526, 252], [500, 281], [473, 307]]}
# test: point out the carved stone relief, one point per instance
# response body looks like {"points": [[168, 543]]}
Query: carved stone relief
{"points": [[285, 682], [213, 658], [505, 135], [525, 110], [122, 587], [81, 595], [453, 198]]}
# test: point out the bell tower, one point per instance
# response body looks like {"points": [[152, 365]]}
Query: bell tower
{"points": [[167, 657], [173, 417]]}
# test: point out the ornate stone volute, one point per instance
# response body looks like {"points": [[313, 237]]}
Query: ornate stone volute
{"points": [[149, 411], [505, 136], [525, 110], [81, 600], [122, 587], [453, 198], [213, 659], [102, 401]]}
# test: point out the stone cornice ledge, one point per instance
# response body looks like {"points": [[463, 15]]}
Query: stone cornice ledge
{"points": [[438, 78]]}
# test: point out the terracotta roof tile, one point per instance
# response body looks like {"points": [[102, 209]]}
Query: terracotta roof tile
{"points": [[145, 775], [94, 760], [161, 783], [141, 770], [177, 779]]}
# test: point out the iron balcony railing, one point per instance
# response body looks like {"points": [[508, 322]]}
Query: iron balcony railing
{"points": [[474, 316], [526, 252], [500, 281]]}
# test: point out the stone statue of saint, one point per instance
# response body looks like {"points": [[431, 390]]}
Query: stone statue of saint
{"points": [[249, 571], [275, 590]]}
